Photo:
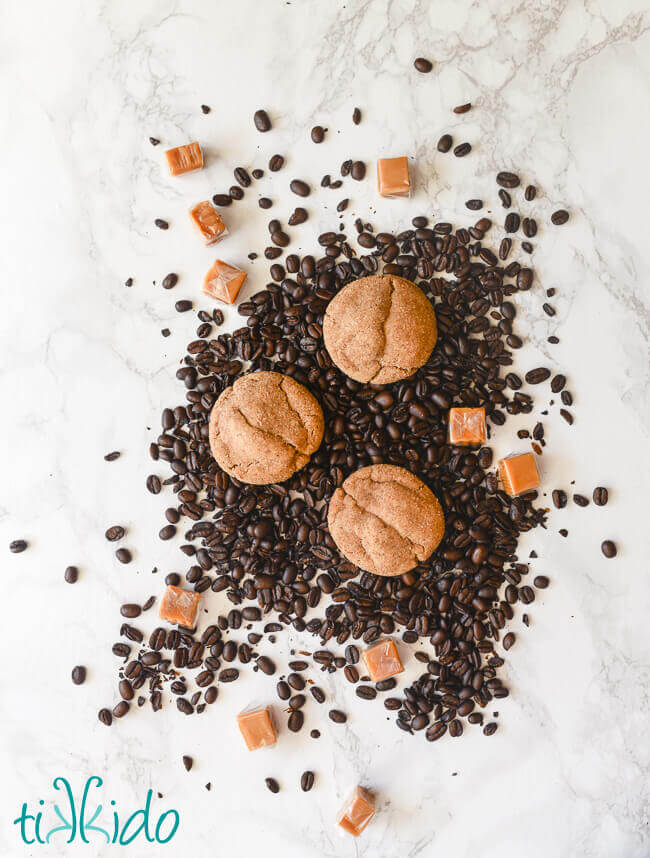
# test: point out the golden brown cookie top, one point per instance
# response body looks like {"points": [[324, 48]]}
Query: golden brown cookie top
{"points": [[265, 427], [385, 520], [380, 329]]}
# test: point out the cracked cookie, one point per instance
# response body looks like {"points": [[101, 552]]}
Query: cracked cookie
{"points": [[264, 428], [379, 329], [385, 520]]}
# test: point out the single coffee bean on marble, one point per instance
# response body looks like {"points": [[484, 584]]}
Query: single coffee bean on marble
{"points": [[262, 121], [222, 200], [17, 546], [507, 180], [358, 171], [236, 192], [299, 187], [445, 142], [512, 222], [272, 785], [169, 281], [462, 149], [559, 217], [161, 224], [541, 582], [317, 134], [609, 548], [506, 199], [538, 375], [530, 193], [295, 721], [276, 163], [266, 665], [423, 65], [130, 611], [79, 675], [559, 498], [356, 116], [71, 574], [337, 716], [508, 640], [242, 177], [153, 484], [123, 555], [463, 108], [306, 781], [474, 205], [580, 500], [600, 496], [105, 717]]}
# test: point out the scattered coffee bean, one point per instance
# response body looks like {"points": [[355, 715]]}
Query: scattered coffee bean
{"points": [[17, 546], [105, 717], [537, 376], [183, 306], [299, 187], [123, 555], [580, 500], [78, 675], [609, 548], [298, 216], [264, 203], [111, 457], [559, 217], [272, 785], [444, 144], [114, 533], [161, 224], [474, 205], [530, 193], [358, 171], [222, 199], [337, 716], [188, 762], [507, 180], [356, 116], [541, 582], [462, 149], [71, 574], [262, 121], [318, 134], [422, 65], [154, 141], [169, 281], [600, 496], [153, 484], [559, 498], [463, 108], [306, 781]]}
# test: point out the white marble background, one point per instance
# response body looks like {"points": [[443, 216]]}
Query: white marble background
{"points": [[561, 94]]}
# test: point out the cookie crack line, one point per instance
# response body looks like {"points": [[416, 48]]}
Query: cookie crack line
{"points": [[411, 542], [296, 451], [295, 411]]}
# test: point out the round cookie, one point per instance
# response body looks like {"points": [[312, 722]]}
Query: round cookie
{"points": [[379, 329], [385, 520], [264, 428]]}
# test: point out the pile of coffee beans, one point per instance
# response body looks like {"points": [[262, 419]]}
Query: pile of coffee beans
{"points": [[268, 547]]}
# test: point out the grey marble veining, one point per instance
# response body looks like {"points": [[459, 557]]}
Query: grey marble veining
{"points": [[560, 94]]}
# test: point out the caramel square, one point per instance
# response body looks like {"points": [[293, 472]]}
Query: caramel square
{"points": [[256, 727], [223, 282], [393, 177], [179, 606], [519, 474], [357, 811], [467, 426], [382, 660], [184, 159], [208, 221]]}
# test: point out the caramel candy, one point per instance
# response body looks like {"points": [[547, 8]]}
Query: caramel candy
{"points": [[467, 426], [256, 727], [223, 282], [382, 660], [179, 606], [357, 811], [393, 177], [519, 474], [184, 159], [207, 219]]}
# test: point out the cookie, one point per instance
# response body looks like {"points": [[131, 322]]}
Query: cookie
{"points": [[385, 520], [379, 329], [264, 428]]}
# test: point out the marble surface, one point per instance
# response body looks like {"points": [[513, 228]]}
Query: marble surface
{"points": [[560, 94]]}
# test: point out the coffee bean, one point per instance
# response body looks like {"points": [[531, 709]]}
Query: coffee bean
{"points": [[266, 665], [422, 65], [474, 205], [537, 376], [169, 281], [507, 180], [276, 163], [609, 548], [463, 108], [161, 224], [123, 555], [242, 177], [222, 199], [566, 415], [229, 675], [299, 187], [115, 533], [236, 192], [559, 217], [188, 762], [317, 134], [262, 121], [365, 692], [306, 781], [71, 574], [183, 306], [264, 203], [580, 500], [298, 216], [504, 196], [444, 144], [508, 640], [154, 141], [462, 149], [120, 710], [541, 582], [490, 729], [153, 484], [530, 193], [272, 785], [317, 693], [295, 721], [130, 611], [356, 116], [600, 496], [358, 171], [78, 675], [512, 222], [559, 498], [558, 382], [105, 717], [337, 716]]}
